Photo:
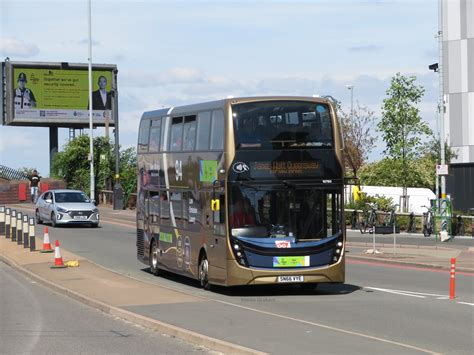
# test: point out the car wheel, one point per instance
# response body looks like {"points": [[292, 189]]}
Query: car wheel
{"points": [[53, 219], [38, 218]]}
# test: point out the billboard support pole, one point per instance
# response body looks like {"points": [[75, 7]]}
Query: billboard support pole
{"points": [[53, 147], [118, 190], [91, 133]]}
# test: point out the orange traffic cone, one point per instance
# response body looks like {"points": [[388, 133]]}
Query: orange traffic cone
{"points": [[46, 244], [58, 259]]}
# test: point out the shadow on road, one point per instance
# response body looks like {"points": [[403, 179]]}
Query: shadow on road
{"points": [[322, 289]]}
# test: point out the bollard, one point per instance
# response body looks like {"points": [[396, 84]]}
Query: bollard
{"points": [[2, 220], [26, 240], [452, 283], [19, 228], [13, 226], [31, 232], [7, 223]]}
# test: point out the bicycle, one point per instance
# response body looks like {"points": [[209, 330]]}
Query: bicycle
{"points": [[428, 221], [368, 224], [412, 224], [391, 219]]}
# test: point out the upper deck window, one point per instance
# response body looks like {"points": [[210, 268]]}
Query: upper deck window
{"points": [[217, 130], [143, 136], [282, 125], [176, 139], [155, 136]]}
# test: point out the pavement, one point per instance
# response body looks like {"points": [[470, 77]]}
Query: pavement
{"points": [[119, 295]]}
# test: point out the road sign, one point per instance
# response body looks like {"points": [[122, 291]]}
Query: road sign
{"points": [[441, 170]]}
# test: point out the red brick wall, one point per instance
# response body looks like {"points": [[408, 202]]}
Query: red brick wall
{"points": [[9, 190]]}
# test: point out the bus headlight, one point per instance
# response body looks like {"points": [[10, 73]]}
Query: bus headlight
{"points": [[239, 253]]}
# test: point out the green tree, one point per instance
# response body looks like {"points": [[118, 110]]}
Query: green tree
{"points": [[401, 125], [388, 172], [73, 166], [128, 172], [359, 137]]}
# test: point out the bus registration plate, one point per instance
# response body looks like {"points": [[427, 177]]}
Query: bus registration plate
{"points": [[290, 278]]}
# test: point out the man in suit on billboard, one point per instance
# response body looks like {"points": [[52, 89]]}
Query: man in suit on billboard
{"points": [[101, 99]]}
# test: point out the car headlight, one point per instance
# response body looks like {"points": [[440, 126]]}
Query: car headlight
{"points": [[60, 209], [95, 210]]}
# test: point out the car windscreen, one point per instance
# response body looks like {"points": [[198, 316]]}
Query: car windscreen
{"points": [[70, 197], [282, 125]]}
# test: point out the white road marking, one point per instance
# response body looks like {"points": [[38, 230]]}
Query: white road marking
{"points": [[469, 304], [408, 293], [340, 330]]}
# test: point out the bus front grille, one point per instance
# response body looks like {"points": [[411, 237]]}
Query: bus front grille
{"points": [[140, 244]]}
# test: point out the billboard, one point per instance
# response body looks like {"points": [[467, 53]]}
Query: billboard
{"points": [[57, 94]]}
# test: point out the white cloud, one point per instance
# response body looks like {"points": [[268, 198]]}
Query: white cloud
{"points": [[10, 46], [173, 76]]}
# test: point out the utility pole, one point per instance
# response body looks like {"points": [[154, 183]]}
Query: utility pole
{"points": [[441, 109]]}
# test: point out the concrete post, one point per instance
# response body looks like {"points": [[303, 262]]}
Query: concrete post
{"points": [[31, 233], [26, 239], [7, 223], [19, 228], [13, 226]]}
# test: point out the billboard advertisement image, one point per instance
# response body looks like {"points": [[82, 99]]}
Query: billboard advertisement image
{"points": [[45, 94]]}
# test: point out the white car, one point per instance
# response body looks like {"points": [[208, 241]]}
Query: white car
{"points": [[66, 207]]}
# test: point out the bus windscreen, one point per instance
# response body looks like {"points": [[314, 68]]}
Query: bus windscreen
{"points": [[273, 211], [282, 125]]}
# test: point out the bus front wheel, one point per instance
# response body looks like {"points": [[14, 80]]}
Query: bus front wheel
{"points": [[154, 269], [204, 272]]}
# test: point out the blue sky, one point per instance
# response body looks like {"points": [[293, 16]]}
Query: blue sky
{"points": [[180, 52]]}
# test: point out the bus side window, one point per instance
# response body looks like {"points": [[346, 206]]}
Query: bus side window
{"points": [[154, 207], [164, 208], [203, 130], [217, 130], [219, 216], [176, 138], [143, 136], [189, 132], [155, 135]]}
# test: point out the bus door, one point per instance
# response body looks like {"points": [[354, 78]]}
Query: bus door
{"points": [[217, 246]]}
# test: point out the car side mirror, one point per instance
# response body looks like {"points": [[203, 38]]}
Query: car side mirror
{"points": [[48, 200]]}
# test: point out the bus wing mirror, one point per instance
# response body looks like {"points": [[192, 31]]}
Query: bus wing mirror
{"points": [[215, 205]]}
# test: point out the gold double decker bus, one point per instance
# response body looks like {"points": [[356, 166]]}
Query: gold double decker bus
{"points": [[242, 191]]}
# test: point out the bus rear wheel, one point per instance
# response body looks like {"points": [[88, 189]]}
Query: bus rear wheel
{"points": [[204, 272], [154, 269]]}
